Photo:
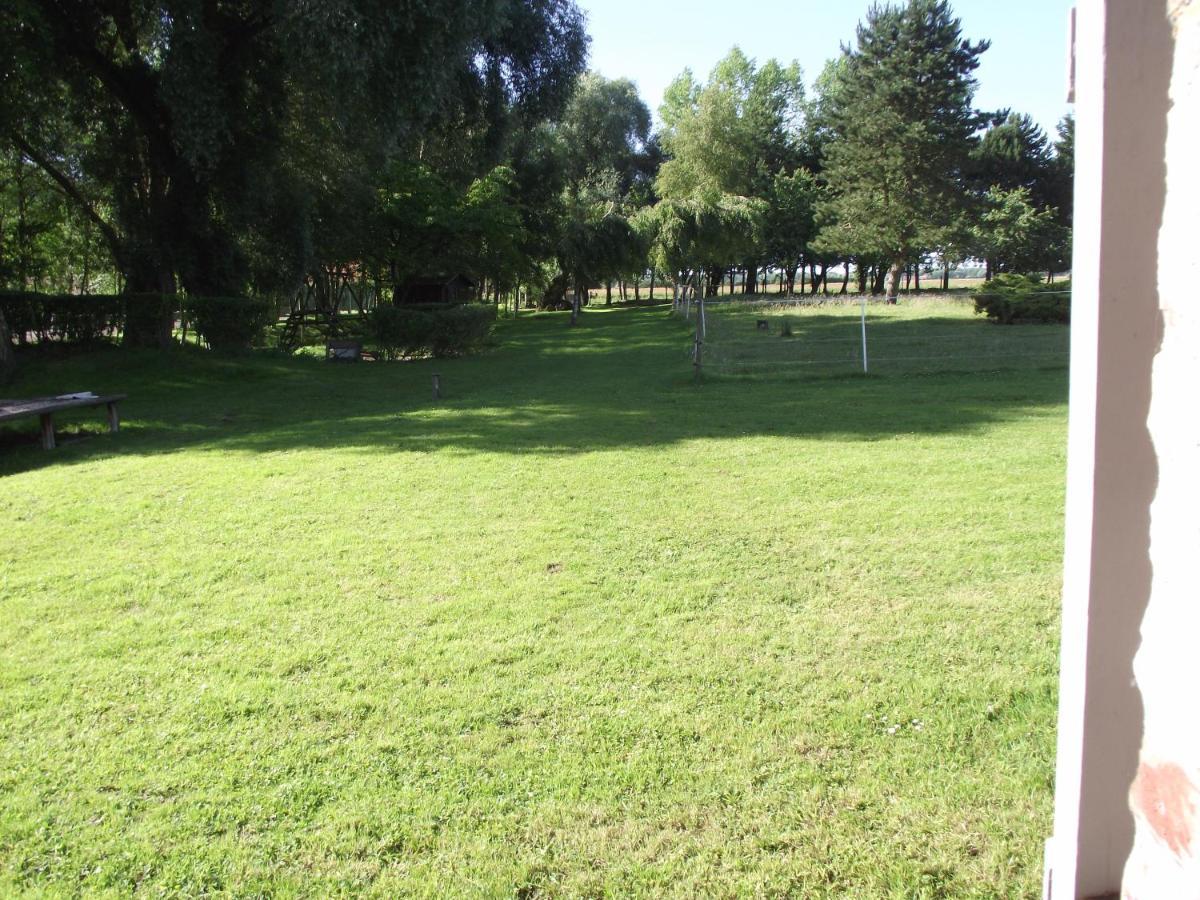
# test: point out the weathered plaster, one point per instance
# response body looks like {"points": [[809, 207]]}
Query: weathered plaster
{"points": [[1165, 798], [1123, 69]]}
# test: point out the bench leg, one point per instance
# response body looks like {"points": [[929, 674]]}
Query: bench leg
{"points": [[47, 431], [114, 419]]}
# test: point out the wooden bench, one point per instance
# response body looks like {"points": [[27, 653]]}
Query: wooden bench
{"points": [[45, 408]]}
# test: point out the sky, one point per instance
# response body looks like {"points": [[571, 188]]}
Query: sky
{"points": [[651, 42]]}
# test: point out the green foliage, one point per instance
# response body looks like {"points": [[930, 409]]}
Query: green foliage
{"points": [[900, 128], [733, 134], [1013, 153], [605, 126], [1010, 299], [222, 146], [790, 221], [69, 318], [230, 323], [439, 331], [703, 231], [1018, 236]]}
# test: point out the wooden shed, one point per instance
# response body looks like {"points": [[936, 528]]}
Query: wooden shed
{"points": [[436, 289]]}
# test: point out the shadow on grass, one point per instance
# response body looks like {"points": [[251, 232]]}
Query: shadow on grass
{"points": [[622, 379]]}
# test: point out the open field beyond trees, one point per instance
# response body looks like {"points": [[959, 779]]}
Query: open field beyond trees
{"points": [[584, 627]]}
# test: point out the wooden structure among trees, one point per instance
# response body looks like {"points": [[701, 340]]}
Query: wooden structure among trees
{"points": [[443, 289]]}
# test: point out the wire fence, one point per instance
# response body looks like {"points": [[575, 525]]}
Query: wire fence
{"points": [[764, 338]]}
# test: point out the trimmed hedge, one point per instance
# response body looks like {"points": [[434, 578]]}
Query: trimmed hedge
{"points": [[142, 320], [1011, 299], [400, 331], [70, 318], [230, 323]]}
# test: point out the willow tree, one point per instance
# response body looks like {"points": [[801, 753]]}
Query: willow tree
{"points": [[900, 133], [730, 137], [215, 141]]}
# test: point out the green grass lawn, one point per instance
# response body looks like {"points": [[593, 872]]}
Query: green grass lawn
{"points": [[921, 335], [583, 628]]}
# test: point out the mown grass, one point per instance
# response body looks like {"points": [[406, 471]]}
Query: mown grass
{"points": [[583, 628], [924, 334]]}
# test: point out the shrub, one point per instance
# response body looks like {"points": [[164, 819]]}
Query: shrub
{"points": [[399, 331], [70, 318], [1009, 299], [230, 323]]}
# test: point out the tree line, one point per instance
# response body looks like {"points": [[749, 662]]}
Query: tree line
{"points": [[226, 148]]}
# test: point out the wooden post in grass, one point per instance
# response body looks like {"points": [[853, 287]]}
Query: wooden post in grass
{"points": [[864, 330]]}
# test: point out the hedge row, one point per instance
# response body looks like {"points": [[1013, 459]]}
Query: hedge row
{"points": [[1009, 299], [224, 323], [400, 331]]}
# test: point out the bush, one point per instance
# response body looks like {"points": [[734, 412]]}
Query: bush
{"points": [[230, 323], [400, 331], [70, 318], [1010, 299]]}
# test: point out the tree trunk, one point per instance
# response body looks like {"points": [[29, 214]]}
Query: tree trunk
{"points": [[946, 277], [894, 282], [575, 302], [637, 289], [608, 293], [7, 360], [861, 274], [750, 286], [917, 278], [653, 273], [845, 277]]}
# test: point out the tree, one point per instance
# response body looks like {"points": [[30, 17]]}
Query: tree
{"points": [[1013, 153], [729, 138], [605, 126], [704, 233], [602, 143], [790, 223], [1016, 235], [204, 138], [900, 133], [1061, 193]]}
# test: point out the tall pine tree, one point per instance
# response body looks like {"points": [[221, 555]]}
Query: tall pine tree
{"points": [[900, 134]]}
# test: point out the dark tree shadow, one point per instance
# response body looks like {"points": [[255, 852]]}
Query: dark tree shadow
{"points": [[622, 379]]}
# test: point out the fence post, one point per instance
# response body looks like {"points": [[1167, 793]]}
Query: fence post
{"points": [[864, 331]]}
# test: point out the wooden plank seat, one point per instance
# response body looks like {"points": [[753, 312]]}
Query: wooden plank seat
{"points": [[45, 408]]}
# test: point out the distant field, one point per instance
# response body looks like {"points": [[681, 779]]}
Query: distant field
{"points": [[928, 285], [586, 627], [922, 334]]}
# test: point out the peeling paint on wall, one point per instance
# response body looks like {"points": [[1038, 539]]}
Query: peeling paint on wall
{"points": [[1165, 797]]}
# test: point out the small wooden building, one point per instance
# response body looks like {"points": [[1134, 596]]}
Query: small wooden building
{"points": [[436, 289]]}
